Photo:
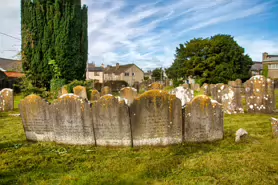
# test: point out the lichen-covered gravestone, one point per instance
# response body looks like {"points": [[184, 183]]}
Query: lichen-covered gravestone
{"points": [[156, 119], [156, 86], [111, 122], [80, 91], [6, 100], [195, 87], [36, 119], [105, 90], [203, 120], [231, 101], [274, 124], [72, 120], [259, 93], [95, 95], [64, 90], [184, 94], [128, 94], [205, 88]]}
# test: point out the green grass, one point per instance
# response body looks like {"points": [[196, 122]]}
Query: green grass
{"points": [[253, 161]]}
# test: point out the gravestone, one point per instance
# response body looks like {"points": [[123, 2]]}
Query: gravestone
{"points": [[111, 122], [95, 95], [72, 120], [156, 119], [184, 94], [36, 119], [231, 101], [186, 86], [195, 87], [217, 91], [259, 93], [64, 90], [80, 91], [203, 120], [105, 90], [6, 100], [274, 125], [156, 86], [128, 94], [206, 90]]}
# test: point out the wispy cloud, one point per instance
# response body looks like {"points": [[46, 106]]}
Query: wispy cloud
{"points": [[147, 33]]}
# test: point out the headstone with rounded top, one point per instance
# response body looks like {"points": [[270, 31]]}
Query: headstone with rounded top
{"points": [[80, 91], [184, 94], [95, 95], [111, 122], [156, 118], [203, 120], [128, 94], [72, 120], [105, 90], [6, 100], [156, 86], [36, 118]]}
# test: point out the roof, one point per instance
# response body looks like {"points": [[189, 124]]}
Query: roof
{"points": [[14, 74], [92, 68], [9, 64], [271, 59], [257, 66], [120, 69]]}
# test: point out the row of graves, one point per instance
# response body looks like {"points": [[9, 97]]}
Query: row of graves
{"points": [[155, 117]]}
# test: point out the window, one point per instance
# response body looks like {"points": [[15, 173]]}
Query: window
{"points": [[96, 73], [273, 66], [126, 74], [133, 74]]}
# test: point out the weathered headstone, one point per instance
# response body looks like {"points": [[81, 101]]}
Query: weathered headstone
{"points": [[259, 93], [206, 90], [203, 120], [64, 90], [231, 101], [95, 95], [111, 122], [156, 86], [105, 90], [156, 119], [186, 86], [80, 91], [72, 120], [128, 94], [217, 91], [6, 100], [240, 134], [195, 87], [36, 119], [274, 125], [184, 94]]}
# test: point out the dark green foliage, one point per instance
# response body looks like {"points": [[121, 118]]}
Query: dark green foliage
{"points": [[55, 86], [212, 60], [54, 29], [265, 70], [157, 74]]}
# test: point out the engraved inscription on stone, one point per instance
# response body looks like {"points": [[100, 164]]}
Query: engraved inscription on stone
{"points": [[156, 119], [72, 120], [203, 120], [111, 122], [36, 118]]}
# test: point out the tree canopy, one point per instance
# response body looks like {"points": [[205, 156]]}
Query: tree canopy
{"points": [[54, 30], [157, 74], [217, 59]]}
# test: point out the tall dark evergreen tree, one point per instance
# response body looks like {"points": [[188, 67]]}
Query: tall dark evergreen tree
{"points": [[54, 30]]}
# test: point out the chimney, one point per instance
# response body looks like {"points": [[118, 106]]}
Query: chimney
{"points": [[117, 65], [265, 54]]}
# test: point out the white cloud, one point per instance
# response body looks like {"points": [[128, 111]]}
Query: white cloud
{"points": [[148, 33]]}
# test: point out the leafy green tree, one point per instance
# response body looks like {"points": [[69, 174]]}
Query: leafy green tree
{"points": [[54, 29], [217, 59], [157, 74]]}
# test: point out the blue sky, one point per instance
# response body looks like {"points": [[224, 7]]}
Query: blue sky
{"points": [[131, 31]]}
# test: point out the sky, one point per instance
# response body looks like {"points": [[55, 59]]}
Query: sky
{"points": [[147, 32]]}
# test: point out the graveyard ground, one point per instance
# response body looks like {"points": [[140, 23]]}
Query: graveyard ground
{"points": [[253, 161]]}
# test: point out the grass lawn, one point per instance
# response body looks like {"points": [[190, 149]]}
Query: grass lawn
{"points": [[253, 161]]}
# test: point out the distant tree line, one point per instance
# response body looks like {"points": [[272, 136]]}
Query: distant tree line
{"points": [[54, 30], [217, 59]]}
